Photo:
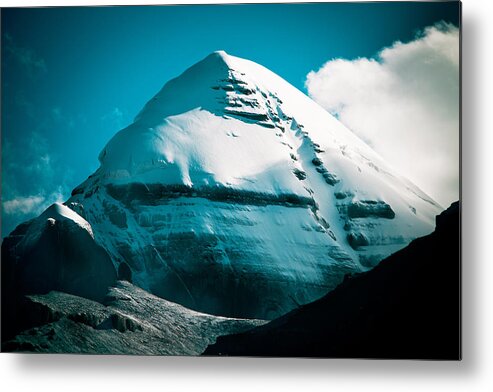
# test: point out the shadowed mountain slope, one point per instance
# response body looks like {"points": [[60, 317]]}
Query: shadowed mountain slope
{"points": [[406, 307]]}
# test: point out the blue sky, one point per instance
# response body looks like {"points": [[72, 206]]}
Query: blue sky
{"points": [[72, 77]]}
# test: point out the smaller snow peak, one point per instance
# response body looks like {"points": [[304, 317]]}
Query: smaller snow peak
{"points": [[59, 212], [55, 210], [56, 215]]}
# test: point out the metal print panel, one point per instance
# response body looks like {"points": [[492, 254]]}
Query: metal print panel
{"points": [[260, 180]]}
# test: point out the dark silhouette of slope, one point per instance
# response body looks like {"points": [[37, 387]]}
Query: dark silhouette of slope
{"points": [[60, 256], [406, 307]]}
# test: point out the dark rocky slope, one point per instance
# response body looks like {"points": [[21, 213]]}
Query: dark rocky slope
{"points": [[406, 307], [129, 321], [55, 251]]}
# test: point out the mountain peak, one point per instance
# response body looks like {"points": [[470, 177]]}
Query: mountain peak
{"points": [[221, 57], [214, 59], [253, 178], [220, 53]]}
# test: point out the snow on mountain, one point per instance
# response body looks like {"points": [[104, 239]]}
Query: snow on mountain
{"points": [[233, 193], [57, 212]]}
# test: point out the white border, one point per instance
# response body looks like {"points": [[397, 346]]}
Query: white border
{"points": [[475, 373]]}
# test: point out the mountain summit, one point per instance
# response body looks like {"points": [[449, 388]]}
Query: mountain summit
{"points": [[233, 193]]}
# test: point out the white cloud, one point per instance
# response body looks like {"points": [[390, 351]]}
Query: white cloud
{"points": [[405, 104], [31, 205], [22, 205], [32, 179]]}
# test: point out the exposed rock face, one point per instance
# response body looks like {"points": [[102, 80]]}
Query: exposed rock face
{"points": [[406, 307], [131, 321], [357, 240], [370, 208]]}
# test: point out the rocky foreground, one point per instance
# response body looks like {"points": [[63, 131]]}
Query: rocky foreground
{"points": [[131, 321]]}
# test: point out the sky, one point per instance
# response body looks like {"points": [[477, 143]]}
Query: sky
{"points": [[72, 77], [404, 102]]}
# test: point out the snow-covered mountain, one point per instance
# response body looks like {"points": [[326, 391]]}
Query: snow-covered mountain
{"points": [[233, 193]]}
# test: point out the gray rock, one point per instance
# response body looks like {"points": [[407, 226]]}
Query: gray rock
{"points": [[356, 240], [370, 208], [132, 321]]}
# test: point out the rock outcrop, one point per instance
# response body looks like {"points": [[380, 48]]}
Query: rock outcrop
{"points": [[130, 321]]}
